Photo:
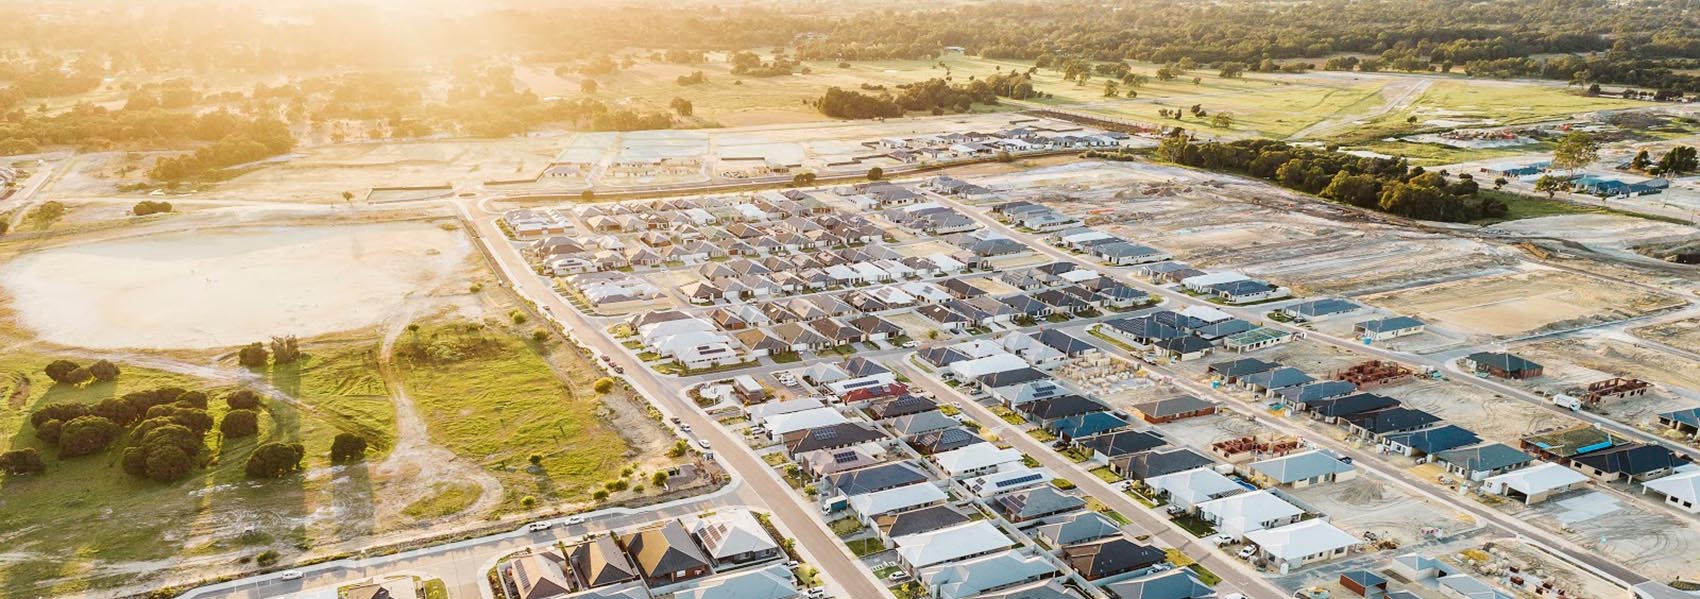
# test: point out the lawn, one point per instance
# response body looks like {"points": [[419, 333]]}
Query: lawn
{"points": [[1008, 415], [489, 395], [343, 385], [845, 527], [1528, 206], [59, 525], [1105, 474], [1092, 503], [1458, 102], [1195, 526], [865, 547]]}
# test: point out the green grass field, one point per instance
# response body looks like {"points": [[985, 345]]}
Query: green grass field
{"points": [[83, 511], [1460, 102], [499, 403]]}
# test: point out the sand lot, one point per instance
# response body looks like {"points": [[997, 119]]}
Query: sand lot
{"points": [[1493, 417], [1654, 542], [1365, 504], [1522, 302], [227, 287], [1684, 334]]}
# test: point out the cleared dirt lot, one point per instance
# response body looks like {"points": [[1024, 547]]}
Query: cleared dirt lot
{"points": [[1492, 416], [1365, 505], [1650, 541], [227, 287], [1522, 302], [1681, 333]]}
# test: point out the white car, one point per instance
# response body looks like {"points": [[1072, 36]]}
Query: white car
{"points": [[537, 526], [575, 520], [703, 443], [685, 427], [792, 565], [290, 575], [816, 593], [897, 576], [1247, 551], [911, 344], [1222, 540]]}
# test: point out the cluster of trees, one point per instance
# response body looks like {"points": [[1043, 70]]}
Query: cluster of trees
{"points": [[166, 430], [1387, 184], [283, 350], [1680, 160], [933, 95], [70, 373], [252, 140], [748, 63], [696, 77]]}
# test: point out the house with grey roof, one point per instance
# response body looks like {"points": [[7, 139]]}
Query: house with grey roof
{"points": [[1482, 461], [1034, 504], [1080, 527], [1300, 470], [1382, 329], [1178, 583]]}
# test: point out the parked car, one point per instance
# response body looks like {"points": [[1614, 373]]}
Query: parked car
{"points": [[290, 575], [537, 526], [792, 565], [897, 576], [816, 593], [911, 344], [1222, 540], [685, 427], [575, 520], [703, 443], [1247, 551]]}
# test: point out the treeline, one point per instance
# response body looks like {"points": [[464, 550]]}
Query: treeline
{"points": [[936, 96], [1387, 184]]}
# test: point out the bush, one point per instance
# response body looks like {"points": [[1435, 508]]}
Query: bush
{"points": [[163, 450], [275, 460], [240, 423], [600, 495], [539, 336], [22, 461], [104, 371], [659, 479], [87, 435], [60, 370], [876, 173], [679, 449], [267, 558], [527, 502], [252, 355], [146, 207], [348, 447], [603, 385], [242, 399]]}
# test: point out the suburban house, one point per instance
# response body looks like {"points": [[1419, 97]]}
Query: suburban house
{"points": [[1502, 365], [1633, 463], [535, 575], [960, 542], [1236, 515], [1108, 446], [666, 554], [1175, 408], [1536, 483], [1188, 488], [869, 506], [1563, 444], [1034, 504], [917, 521], [1479, 462], [600, 562], [1115, 557], [978, 576], [1431, 441], [1681, 491], [1382, 329], [1297, 545], [1300, 470], [1143, 466], [1074, 529], [1179, 583], [734, 537], [1320, 308], [1685, 422]]}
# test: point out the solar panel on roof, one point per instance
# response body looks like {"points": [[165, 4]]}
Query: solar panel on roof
{"points": [[826, 433], [844, 457]]}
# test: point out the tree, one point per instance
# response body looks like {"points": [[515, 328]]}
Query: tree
{"points": [[22, 461], [1363, 191], [1551, 185], [348, 196], [275, 460], [1500, 182], [1232, 70], [104, 371], [60, 370], [1222, 120], [1678, 161], [252, 355], [87, 435], [242, 399], [659, 478], [348, 447], [1575, 150], [240, 423], [1111, 88], [876, 173], [1641, 161], [603, 385], [801, 179], [285, 349], [587, 85]]}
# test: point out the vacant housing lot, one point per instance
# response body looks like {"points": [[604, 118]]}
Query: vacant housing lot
{"points": [[1521, 302]]}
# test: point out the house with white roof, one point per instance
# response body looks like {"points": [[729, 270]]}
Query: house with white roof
{"points": [[1236, 515], [1203, 283], [1536, 483], [734, 537], [975, 460], [960, 542], [969, 370], [1187, 489], [1297, 545], [867, 506], [1301, 470], [779, 425], [1681, 490]]}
